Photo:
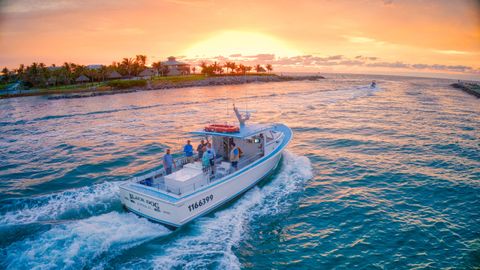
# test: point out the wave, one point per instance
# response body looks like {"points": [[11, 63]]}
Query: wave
{"points": [[211, 240], [82, 244], [81, 202], [367, 89]]}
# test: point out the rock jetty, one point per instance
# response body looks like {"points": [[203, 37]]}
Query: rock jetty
{"points": [[471, 88]]}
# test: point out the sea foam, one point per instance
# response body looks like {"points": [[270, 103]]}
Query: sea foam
{"points": [[82, 244], [51, 207]]}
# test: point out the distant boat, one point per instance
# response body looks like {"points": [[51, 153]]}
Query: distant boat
{"points": [[192, 189], [373, 84]]}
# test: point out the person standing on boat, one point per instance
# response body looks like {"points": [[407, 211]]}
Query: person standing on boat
{"points": [[205, 160], [211, 156], [168, 163], [201, 149], [234, 156], [188, 150]]}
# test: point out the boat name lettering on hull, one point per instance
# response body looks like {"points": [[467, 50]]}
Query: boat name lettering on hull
{"points": [[200, 203], [145, 202]]}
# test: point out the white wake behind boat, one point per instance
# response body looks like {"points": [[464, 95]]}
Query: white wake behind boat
{"points": [[192, 189]]}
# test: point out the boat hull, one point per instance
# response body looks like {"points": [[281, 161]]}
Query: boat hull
{"points": [[177, 212]]}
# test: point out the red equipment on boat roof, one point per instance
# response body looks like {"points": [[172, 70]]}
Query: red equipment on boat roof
{"points": [[222, 128]]}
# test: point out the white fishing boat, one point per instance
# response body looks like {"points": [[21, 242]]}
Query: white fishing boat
{"points": [[194, 189]]}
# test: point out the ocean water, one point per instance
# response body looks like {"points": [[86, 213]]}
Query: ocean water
{"points": [[385, 178]]}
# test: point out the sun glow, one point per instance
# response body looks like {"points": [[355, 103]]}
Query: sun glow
{"points": [[237, 42]]}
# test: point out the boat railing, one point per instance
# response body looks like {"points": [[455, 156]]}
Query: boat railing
{"points": [[244, 161], [155, 180]]}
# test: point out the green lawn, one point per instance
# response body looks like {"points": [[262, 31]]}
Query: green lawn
{"points": [[74, 86], [104, 86], [177, 79]]}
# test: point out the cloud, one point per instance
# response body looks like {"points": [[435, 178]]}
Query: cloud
{"points": [[311, 61], [397, 64], [363, 40], [366, 58], [26, 6], [355, 39], [262, 57], [452, 52]]}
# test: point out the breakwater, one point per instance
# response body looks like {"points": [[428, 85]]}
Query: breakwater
{"points": [[471, 88]]}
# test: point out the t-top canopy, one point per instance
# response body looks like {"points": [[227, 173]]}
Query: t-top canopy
{"points": [[245, 131]]}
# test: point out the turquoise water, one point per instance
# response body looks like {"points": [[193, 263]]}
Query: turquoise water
{"points": [[383, 178]]}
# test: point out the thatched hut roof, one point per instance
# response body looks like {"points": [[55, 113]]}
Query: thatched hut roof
{"points": [[114, 75], [147, 73], [82, 78]]}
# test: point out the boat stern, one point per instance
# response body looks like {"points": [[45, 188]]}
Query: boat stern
{"points": [[146, 203]]}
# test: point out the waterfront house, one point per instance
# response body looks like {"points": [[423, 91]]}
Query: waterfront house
{"points": [[175, 67], [94, 67]]}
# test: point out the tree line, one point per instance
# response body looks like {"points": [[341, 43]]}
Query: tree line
{"points": [[231, 68], [39, 75]]}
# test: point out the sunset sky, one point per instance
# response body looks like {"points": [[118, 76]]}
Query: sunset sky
{"points": [[414, 37]]}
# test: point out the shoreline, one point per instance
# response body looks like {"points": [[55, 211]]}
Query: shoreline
{"points": [[165, 84]]}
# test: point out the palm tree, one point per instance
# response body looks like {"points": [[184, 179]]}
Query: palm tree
{"points": [[20, 72], [127, 64], [44, 74], [205, 68], [6, 74], [216, 68], [242, 69], [259, 69], [165, 70], [232, 66], [139, 64], [32, 74], [157, 66], [102, 72], [141, 60], [228, 65], [269, 67]]}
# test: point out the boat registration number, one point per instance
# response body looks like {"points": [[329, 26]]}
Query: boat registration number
{"points": [[200, 203]]}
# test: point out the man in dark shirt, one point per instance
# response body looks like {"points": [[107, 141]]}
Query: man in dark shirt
{"points": [[200, 149]]}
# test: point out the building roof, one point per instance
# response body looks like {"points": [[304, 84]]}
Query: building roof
{"points": [[94, 66], [173, 62], [114, 75], [246, 131], [82, 78], [147, 72]]}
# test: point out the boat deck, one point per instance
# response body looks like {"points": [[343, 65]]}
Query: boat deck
{"points": [[222, 169]]}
